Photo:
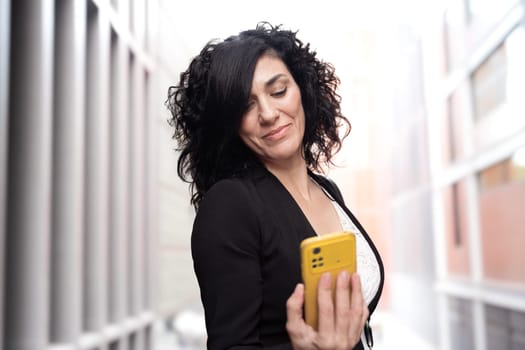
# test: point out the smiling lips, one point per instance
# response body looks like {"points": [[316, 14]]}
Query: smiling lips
{"points": [[277, 133]]}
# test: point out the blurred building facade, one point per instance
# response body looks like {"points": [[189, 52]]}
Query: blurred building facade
{"points": [[82, 91], [442, 180], [477, 145]]}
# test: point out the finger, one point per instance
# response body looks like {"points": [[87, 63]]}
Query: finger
{"points": [[294, 313], [366, 313], [364, 319], [356, 307], [325, 305], [342, 303], [294, 306]]}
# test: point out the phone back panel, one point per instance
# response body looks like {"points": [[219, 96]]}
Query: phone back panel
{"points": [[327, 253]]}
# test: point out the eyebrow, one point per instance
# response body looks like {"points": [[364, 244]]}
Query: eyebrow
{"points": [[273, 79]]}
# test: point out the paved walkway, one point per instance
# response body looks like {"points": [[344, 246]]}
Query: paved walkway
{"points": [[389, 334]]}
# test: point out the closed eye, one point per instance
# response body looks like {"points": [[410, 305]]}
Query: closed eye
{"points": [[279, 93]]}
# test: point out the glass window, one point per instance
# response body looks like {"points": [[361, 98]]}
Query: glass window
{"points": [[489, 82], [505, 329], [500, 79], [457, 230], [508, 171], [453, 148], [517, 165], [494, 176], [460, 324], [501, 203]]}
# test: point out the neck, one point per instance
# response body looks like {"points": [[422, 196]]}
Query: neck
{"points": [[294, 177]]}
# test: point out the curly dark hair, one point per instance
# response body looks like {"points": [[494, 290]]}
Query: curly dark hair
{"points": [[209, 102]]}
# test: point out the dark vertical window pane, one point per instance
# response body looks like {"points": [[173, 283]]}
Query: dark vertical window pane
{"points": [[505, 328], [460, 324]]}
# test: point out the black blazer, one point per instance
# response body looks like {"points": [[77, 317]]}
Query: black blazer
{"points": [[245, 248]]}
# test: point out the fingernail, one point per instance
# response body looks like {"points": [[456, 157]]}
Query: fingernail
{"points": [[326, 279], [344, 276]]}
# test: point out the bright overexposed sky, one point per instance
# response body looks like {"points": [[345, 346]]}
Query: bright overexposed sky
{"points": [[319, 22]]}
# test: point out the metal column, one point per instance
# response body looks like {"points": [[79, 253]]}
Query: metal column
{"points": [[5, 33], [96, 285], [29, 176], [137, 196], [68, 172], [119, 184]]}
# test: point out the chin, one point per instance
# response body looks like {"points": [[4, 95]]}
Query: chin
{"points": [[285, 155]]}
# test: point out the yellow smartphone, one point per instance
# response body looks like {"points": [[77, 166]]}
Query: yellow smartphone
{"points": [[332, 253]]}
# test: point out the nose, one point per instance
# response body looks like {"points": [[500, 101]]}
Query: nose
{"points": [[267, 111]]}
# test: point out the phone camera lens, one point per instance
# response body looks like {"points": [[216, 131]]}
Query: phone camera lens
{"points": [[317, 250]]}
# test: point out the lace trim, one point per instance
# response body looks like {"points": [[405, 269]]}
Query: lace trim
{"points": [[367, 265]]}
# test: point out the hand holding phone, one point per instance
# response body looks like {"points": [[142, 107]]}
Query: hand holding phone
{"points": [[344, 314], [330, 253]]}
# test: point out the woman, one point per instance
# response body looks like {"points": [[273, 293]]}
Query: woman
{"points": [[256, 117]]}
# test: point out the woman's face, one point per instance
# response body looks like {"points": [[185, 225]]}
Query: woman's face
{"points": [[273, 123]]}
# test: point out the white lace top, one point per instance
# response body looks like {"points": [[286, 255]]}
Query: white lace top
{"points": [[367, 265]]}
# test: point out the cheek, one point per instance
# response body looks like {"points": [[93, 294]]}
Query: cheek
{"points": [[245, 124], [246, 129], [297, 102], [299, 110]]}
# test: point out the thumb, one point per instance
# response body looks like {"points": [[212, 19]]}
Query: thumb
{"points": [[294, 305]]}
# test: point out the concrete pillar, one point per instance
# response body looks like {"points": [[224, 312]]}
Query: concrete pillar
{"points": [[137, 195], [152, 263], [29, 176], [96, 286], [119, 183], [68, 172], [5, 33], [151, 256]]}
